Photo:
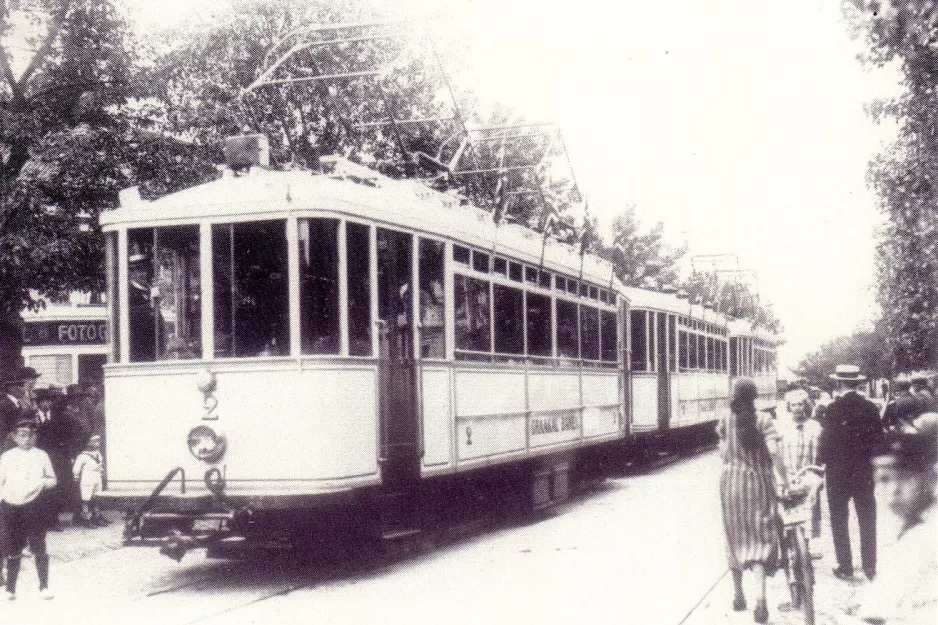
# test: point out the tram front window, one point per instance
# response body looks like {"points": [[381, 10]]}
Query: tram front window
{"points": [[319, 286], [251, 298], [164, 303]]}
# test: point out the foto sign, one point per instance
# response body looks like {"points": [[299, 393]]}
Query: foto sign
{"points": [[42, 333]]}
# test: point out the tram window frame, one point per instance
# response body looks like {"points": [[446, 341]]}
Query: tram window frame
{"points": [[544, 280], [539, 330], [589, 333], [568, 332], [462, 255], [318, 240], [672, 343], [682, 352], [160, 328], [508, 320], [560, 283], [111, 256], [573, 287], [431, 278], [480, 261], [584, 290], [271, 314], [530, 275], [692, 351], [638, 330], [500, 266], [476, 317], [358, 288], [608, 336], [515, 272]]}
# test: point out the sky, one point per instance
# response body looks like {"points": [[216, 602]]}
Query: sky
{"points": [[740, 125]]}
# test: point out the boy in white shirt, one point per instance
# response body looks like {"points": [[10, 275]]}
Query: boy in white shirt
{"points": [[25, 472], [87, 471]]}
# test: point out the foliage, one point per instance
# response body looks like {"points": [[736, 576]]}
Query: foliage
{"points": [[867, 349], [904, 178], [733, 298], [641, 259]]}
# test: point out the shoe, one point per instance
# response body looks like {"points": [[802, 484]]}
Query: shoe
{"points": [[739, 604], [761, 613], [45, 593], [100, 521], [870, 575], [85, 523], [11, 596], [788, 606], [844, 574]]}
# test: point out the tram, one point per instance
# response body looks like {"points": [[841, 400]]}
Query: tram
{"points": [[286, 346]]}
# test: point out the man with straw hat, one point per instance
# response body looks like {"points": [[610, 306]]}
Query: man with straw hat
{"points": [[852, 434]]}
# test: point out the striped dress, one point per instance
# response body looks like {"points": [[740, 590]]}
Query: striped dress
{"points": [[748, 497]]}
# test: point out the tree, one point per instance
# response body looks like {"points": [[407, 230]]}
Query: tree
{"points": [[733, 298], [640, 259], [59, 137], [867, 349], [905, 178]]}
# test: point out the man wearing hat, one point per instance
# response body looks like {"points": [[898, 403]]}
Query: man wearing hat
{"points": [[17, 401], [852, 434], [141, 309], [905, 590], [903, 407]]}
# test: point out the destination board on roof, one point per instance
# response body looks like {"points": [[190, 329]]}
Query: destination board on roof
{"points": [[41, 333]]}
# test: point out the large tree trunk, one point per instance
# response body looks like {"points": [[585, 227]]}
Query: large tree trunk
{"points": [[11, 343]]}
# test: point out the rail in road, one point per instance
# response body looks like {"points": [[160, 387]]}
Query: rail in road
{"points": [[142, 586]]}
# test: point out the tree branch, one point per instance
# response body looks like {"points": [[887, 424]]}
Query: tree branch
{"points": [[43, 50]]}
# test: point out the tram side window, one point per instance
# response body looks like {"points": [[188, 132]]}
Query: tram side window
{"points": [[609, 330], [251, 297], [639, 340], [701, 352], [734, 358], [589, 332], [682, 341], [692, 351], [113, 302], [568, 340], [319, 286], [672, 344], [509, 320], [711, 355], [540, 324], [432, 335], [359, 289], [472, 314], [164, 294]]}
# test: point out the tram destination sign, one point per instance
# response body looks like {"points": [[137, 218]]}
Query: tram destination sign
{"points": [[41, 333]]}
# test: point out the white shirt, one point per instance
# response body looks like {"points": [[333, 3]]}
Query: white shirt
{"points": [[23, 475]]}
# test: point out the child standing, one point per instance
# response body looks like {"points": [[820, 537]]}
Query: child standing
{"points": [[25, 472], [87, 472]]}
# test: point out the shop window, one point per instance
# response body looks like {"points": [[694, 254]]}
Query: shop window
{"points": [[432, 316], [472, 314], [358, 257], [540, 325], [164, 297], [639, 338], [609, 332], [319, 286], [251, 291], [568, 332], [54, 370]]}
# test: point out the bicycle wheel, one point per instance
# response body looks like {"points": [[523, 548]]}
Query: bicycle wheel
{"points": [[804, 574]]}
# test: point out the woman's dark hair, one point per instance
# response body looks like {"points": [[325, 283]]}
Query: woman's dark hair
{"points": [[743, 406]]}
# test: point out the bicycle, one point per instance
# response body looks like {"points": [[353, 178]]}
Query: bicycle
{"points": [[795, 512]]}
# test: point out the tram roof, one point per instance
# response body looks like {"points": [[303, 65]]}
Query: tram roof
{"points": [[669, 302], [269, 194]]}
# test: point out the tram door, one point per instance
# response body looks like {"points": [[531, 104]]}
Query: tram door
{"points": [[399, 431], [664, 370]]}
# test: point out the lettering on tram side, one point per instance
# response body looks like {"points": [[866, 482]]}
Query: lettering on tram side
{"points": [[37, 333], [550, 425]]}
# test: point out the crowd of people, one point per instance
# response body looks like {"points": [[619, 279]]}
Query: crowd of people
{"points": [[881, 459], [51, 463]]}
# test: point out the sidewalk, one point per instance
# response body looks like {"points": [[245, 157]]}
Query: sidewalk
{"points": [[831, 595]]}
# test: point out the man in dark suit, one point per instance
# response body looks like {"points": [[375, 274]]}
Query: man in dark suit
{"points": [[16, 403], [851, 437]]}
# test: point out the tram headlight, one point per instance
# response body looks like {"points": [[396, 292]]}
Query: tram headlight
{"points": [[206, 443]]}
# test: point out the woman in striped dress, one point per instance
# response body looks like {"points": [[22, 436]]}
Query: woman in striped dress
{"points": [[749, 448]]}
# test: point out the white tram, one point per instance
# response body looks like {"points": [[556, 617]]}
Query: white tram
{"points": [[753, 354], [286, 344]]}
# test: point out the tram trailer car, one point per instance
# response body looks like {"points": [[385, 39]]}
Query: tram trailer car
{"points": [[290, 349]]}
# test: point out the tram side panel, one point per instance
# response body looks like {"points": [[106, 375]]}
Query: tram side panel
{"points": [[321, 422]]}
